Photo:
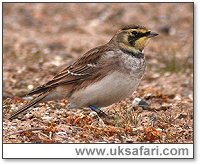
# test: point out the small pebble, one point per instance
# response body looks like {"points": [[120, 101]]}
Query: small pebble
{"points": [[30, 87], [136, 101], [139, 102], [177, 97], [47, 118]]}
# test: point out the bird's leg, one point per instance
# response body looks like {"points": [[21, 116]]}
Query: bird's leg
{"points": [[98, 111]]}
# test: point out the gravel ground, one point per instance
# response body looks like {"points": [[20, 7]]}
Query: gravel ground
{"points": [[40, 39]]}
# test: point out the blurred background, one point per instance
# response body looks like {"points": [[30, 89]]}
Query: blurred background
{"points": [[39, 39]]}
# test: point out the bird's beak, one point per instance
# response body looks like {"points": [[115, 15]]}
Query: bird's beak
{"points": [[152, 34]]}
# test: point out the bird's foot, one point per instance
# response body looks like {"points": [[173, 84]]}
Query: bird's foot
{"points": [[99, 112]]}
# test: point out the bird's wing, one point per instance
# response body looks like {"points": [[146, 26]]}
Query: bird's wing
{"points": [[87, 69], [84, 69]]}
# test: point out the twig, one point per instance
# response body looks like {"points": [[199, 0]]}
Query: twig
{"points": [[27, 130]]}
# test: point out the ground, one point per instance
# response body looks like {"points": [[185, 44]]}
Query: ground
{"points": [[40, 39]]}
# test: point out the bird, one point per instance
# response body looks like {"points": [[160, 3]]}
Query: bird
{"points": [[102, 76]]}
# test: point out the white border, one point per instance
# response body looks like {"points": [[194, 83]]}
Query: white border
{"points": [[119, 150]]}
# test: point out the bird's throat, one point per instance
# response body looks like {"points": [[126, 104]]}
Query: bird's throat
{"points": [[131, 50]]}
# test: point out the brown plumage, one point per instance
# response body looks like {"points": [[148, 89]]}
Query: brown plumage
{"points": [[107, 73]]}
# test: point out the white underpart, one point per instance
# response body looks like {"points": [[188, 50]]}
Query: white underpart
{"points": [[110, 89]]}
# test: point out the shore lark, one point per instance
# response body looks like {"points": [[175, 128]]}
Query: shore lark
{"points": [[102, 76]]}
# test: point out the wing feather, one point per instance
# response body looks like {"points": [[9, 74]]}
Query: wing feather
{"points": [[85, 67]]}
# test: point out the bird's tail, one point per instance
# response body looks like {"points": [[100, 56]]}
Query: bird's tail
{"points": [[28, 105]]}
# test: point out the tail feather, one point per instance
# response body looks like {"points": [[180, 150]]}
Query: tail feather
{"points": [[28, 105]]}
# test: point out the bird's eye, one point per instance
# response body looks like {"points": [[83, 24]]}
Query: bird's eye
{"points": [[147, 33], [134, 33]]}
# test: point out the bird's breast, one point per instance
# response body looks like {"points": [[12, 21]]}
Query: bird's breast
{"points": [[132, 65], [112, 88]]}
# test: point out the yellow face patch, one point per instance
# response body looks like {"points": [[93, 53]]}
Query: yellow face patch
{"points": [[141, 42], [134, 40], [137, 43]]}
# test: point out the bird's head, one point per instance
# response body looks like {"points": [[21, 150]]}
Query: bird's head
{"points": [[133, 38]]}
